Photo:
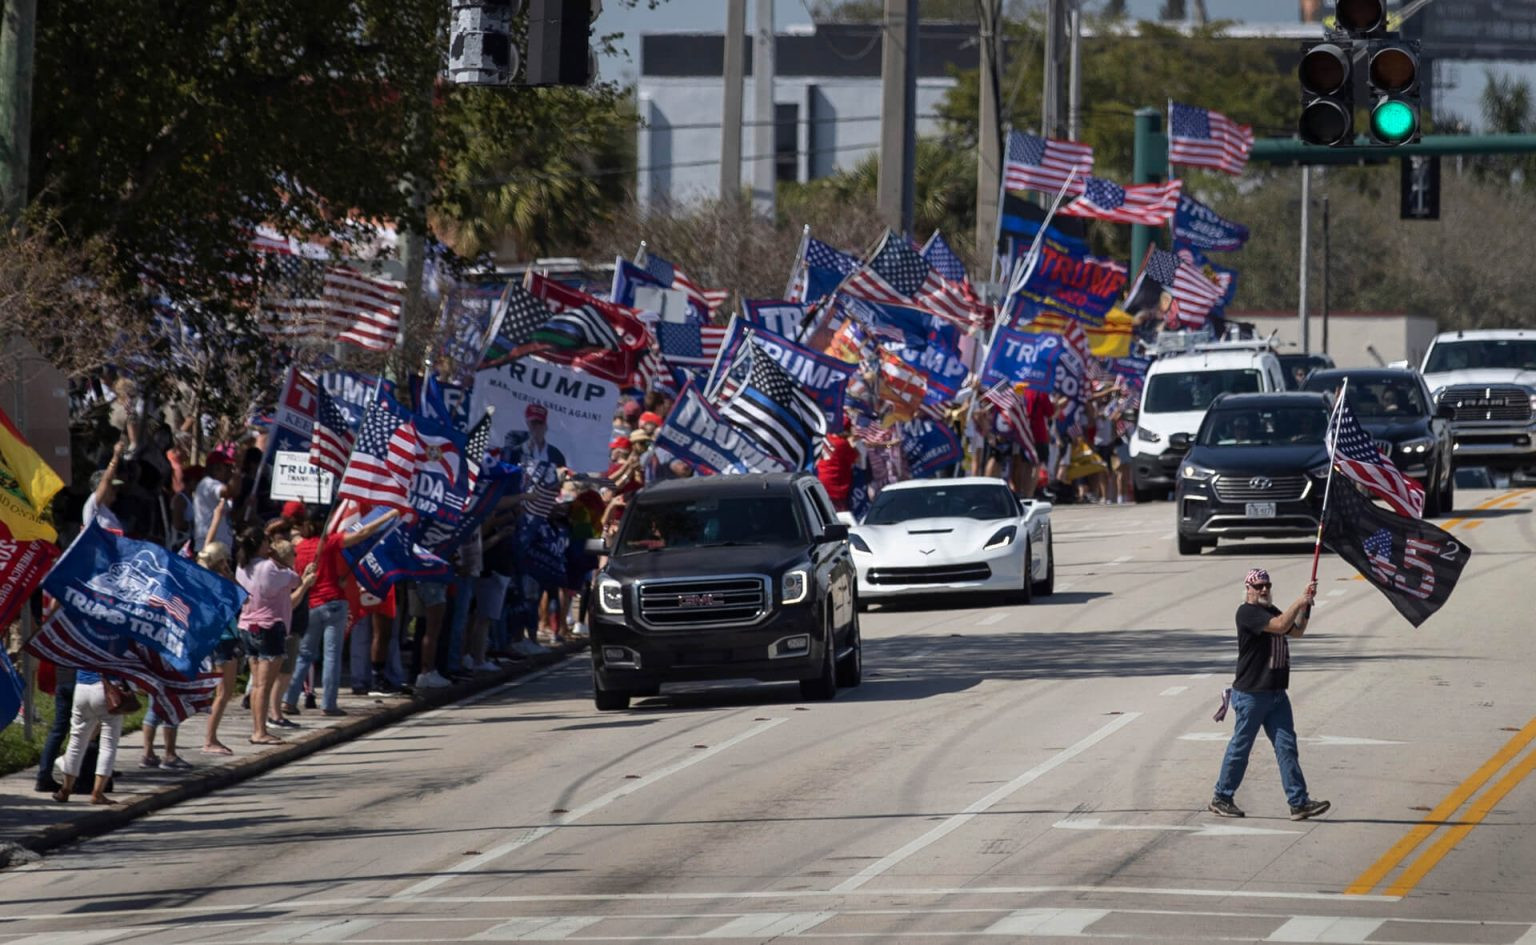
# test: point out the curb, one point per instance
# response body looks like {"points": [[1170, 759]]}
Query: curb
{"points": [[104, 821]]}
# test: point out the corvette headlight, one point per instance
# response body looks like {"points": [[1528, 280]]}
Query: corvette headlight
{"points": [[859, 544], [1004, 536], [797, 585], [1147, 436], [610, 596], [1415, 447], [1196, 473]]}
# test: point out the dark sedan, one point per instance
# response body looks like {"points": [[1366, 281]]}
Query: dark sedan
{"points": [[1394, 407], [1256, 470]]}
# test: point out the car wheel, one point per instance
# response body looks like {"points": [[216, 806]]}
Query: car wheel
{"points": [[1189, 546], [1026, 592], [823, 685], [1047, 587], [608, 700], [850, 669], [1432, 497], [1145, 495]]}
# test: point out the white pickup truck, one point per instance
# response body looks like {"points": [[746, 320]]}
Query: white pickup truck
{"points": [[1484, 382]]}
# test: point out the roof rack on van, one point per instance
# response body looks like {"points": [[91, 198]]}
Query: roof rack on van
{"points": [[1181, 342]]}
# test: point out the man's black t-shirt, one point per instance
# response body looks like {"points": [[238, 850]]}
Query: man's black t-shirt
{"points": [[1263, 658]]}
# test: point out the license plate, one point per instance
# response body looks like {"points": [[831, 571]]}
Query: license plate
{"points": [[1259, 510]]}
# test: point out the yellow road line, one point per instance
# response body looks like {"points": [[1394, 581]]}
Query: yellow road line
{"points": [[1471, 525], [1431, 858], [1435, 819]]}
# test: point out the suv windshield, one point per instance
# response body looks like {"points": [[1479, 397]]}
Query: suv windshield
{"points": [[707, 522], [1377, 398], [1194, 390], [1264, 426], [1509, 353], [979, 502]]}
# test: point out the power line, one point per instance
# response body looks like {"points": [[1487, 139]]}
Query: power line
{"points": [[610, 172]]}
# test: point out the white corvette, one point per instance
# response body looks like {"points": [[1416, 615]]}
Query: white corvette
{"points": [[936, 536]]}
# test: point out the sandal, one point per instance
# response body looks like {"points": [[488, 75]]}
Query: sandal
{"points": [[149, 761], [178, 763], [267, 740], [216, 749], [61, 795]]}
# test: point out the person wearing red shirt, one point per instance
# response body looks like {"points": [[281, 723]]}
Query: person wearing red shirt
{"points": [[835, 470]]}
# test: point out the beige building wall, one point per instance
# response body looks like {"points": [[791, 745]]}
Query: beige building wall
{"points": [[1355, 339]]}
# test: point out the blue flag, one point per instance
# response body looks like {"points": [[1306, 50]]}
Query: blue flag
{"points": [[391, 556], [142, 590], [1203, 228], [824, 378], [695, 431], [928, 446], [11, 690], [1024, 357], [780, 317]]}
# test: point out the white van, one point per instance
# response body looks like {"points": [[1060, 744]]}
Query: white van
{"points": [[1179, 388]]}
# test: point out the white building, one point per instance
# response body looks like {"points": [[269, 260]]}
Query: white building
{"points": [[826, 102]]}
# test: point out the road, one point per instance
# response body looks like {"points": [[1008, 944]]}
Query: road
{"points": [[1034, 773]]}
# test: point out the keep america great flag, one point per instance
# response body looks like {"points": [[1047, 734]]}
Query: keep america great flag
{"points": [[1413, 563]]}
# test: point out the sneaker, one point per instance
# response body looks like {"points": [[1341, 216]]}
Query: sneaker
{"points": [[292, 709], [469, 662], [1309, 809], [359, 690], [431, 680], [580, 630], [309, 700], [333, 713], [487, 667], [382, 687], [1223, 807]]}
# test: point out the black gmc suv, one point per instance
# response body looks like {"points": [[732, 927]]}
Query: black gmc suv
{"points": [[726, 577]]}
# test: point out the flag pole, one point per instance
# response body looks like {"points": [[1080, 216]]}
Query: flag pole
{"points": [[1331, 440], [794, 271]]}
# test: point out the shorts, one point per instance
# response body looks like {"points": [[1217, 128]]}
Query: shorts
{"points": [[427, 594], [1123, 453], [266, 643], [1107, 453], [491, 595], [228, 648], [290, 653]]}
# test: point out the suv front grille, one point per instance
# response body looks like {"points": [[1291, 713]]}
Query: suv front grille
{"points": [[1499, 404], [934, 574], [699, 602], [1253, 488]]}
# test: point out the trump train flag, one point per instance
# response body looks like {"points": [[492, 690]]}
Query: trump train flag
{"points": [[1412, 562]]}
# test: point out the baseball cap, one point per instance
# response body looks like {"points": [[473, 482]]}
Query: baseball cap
{"points": [[631, 408], [619, 443], [651, 417], [293, 508], [1256, 576], [537, 412]]}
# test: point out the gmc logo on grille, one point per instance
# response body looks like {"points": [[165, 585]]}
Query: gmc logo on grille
{"points": [[697, 600]]}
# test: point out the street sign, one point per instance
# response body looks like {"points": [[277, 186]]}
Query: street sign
{"points": [[1480, 29], [1420, 187]]}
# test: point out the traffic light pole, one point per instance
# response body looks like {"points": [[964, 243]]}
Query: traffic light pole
{"points": [[1306, 230], [1149, 163], [1293, 151]]}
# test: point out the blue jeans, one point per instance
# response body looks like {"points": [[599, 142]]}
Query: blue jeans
{"points": [[452, 649], [1270, 711], [322, 638], [63, 709]]}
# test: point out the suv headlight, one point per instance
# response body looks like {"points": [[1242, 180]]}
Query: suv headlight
{"points": [[1004, 536], [1320, 471], [1147, 436], [1195, 473], [1434, 395], [796, 585], [610, 596], [1417, 447]]}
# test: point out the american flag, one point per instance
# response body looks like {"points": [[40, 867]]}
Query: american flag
{"points": [[897, 275], [386, 456], [874, 434], [819, 255], [688, 345], [1203, 138], [330, 443], [477, 450], [1147, 204], [1006, 400], [543, 489], [1356, 456], [1043, 164], [706, 301], [901, 384], [772, 409], [1193, 294], [316, 301], [173, 605], [942, 257], [519, 314]]}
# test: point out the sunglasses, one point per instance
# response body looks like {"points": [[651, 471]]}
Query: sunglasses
{"points": [[1259, 587]]}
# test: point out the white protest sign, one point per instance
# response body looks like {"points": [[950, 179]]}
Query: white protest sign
{"points": [[580, 411], [294, 478]]}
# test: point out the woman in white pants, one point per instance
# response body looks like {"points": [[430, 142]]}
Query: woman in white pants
{"points": [[90, 712]]}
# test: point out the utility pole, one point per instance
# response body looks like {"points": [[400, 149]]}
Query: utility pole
{"points": [[17, 28], [1306, 218], [1050, 98], [764, 169], [730, 120], [898, 121], [989, 149], [1325, 274], [1075, 74]]}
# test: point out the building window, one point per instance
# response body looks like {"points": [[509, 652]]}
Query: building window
{"points": [[786, 142]]}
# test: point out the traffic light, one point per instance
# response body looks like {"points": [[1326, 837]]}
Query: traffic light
{"points": [[487, 44], [1361, 18], [1393, 91], [481, 51], [1327, 93], [558, 49]]}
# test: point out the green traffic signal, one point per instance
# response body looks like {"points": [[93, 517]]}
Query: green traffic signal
{"points": [[1393, 122]]}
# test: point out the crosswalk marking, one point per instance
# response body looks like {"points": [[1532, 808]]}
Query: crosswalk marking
{"points": [[769, 925], [1046, 922], [537, 929], [1325, 928]]}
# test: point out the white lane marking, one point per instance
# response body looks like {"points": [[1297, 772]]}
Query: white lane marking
{"points": [[959, 820], [1326, 741], [1194, 830], [768, 925], [1046, 922], [1123, 559], [320, 930], [1325, 928], [1174, 690], [1338, 592], [529, 836], [1201, 675], [72, 938], [537, 929], [990, 619]]}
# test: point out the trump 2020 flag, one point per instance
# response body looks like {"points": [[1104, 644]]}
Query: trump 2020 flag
{"points": [[1412, 562], [140, 589]]}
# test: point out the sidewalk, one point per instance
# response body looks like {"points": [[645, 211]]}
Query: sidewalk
{"points": [[33, 821]]}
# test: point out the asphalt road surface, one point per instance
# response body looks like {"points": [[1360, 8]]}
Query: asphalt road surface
{"points": [[1032, 773]]}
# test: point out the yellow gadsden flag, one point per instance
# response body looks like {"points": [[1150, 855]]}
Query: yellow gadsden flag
{"points": [[27, 485]]}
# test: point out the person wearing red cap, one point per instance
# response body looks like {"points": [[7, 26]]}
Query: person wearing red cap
{"points": [[650, 422], [1258, 696], [529, 447]]}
